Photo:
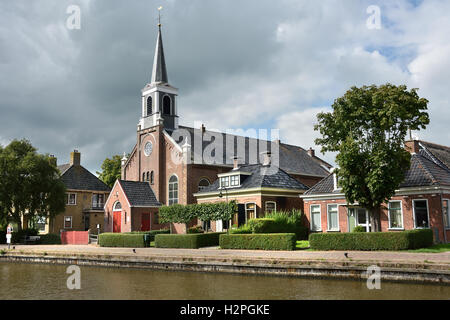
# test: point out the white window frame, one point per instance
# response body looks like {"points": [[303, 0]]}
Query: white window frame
{"points": [[274, 208], [401, 213], [168, 190], [320, 217], [71, 222], [68, 199], [221, 180], [414, 213], [238, 181], [254, 209], [447, 227], [328, 217]]}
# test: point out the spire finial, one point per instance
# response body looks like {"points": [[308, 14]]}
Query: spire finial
{"points": [[159, 16]]}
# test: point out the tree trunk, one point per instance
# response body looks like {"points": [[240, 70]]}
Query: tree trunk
{"points": [[375, 220]]}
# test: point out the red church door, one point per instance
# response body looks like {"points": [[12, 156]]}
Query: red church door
{"points": [[145, 222], [117, 222]]}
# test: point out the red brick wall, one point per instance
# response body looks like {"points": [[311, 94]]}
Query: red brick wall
{"points": [[117, 195]]}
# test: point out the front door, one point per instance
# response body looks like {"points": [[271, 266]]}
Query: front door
{"points": [[358, 217], [117, 221], [86, 221], [241, 214], [145, 222]]}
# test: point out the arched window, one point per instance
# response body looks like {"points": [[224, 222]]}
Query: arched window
{"points": [[143, 176], [117, 206], [148, 176], [152, 177], [204, 183], [167, 105], [149, 106], [173, 190]]}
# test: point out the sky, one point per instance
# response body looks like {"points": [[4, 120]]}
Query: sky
{"points": [[246, 64]]}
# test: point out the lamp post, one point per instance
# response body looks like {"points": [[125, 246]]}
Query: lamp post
{"points": [[226, 200]]}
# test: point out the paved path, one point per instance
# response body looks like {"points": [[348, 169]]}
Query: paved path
{"points": [[216, 253]]}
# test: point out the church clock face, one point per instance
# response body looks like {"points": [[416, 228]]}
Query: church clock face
{"points": [[148, 149]]}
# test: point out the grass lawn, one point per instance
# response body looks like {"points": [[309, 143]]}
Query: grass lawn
{"points": [[433, 249], [301, 245]]}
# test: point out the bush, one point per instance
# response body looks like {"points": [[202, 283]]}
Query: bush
{"points": [[263, 225], [272, 241], [194, 230], [18, 236], [50, 239], [149, 236], [372, 241], [187, 241], [242, 230], [359, 229], [122, 240]]}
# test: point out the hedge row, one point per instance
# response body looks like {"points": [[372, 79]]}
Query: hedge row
{"points": [[152, 233], [270, 225], [272, 241], [371, 241], [122, 240], [49, 239], [188, 241]]}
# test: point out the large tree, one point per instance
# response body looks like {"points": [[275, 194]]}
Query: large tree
{"points": [[30, 186], [367, 128], [111, 170]]}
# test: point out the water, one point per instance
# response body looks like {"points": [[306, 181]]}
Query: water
{"points": [[39, 281]]}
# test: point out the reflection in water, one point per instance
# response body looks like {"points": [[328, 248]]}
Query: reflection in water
{"points": [[36, 281]]}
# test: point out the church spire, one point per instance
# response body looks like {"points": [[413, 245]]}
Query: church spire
{"points": [[159, 73]]}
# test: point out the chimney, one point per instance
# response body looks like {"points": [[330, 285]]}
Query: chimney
{"points": [[267, 158], [52, 159], [75, 158], [235, 162], [312, 152], [412, 146]]}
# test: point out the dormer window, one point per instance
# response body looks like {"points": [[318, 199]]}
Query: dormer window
{"points": [[335, 181], [224, 182], [234, 181], [149, 106]]}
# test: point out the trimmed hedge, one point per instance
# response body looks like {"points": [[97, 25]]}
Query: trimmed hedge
{"points": [[187, 241], [271, 241], [272, 225], [50, 239], [152, 233], [371, 241], [122, 240]]}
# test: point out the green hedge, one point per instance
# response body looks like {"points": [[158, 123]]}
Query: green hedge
{"points": [[371, 241], [272, 225], [152, 233], [188, 241], [272, 241], [122, 240], [50, 239]]}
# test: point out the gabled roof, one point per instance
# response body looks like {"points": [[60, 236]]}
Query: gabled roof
{"points": [[293, 159], [139, 194], [260, 177], [324, 186], [437, 153], [78, 178]]}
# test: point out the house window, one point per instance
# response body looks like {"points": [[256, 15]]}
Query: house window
{"points": [[224, 182], [67, 222], [152, 177], [333, 219], [167, 105], [117, 206], [446, 212], [173, 190], [420, 213], [204, 183], [206, 225], [395, 215], [98, 200], [149, 106], [234, 181], [250, 210], [40, 223], [143, 176], [271, 206], [316, 224], [71, 199]]}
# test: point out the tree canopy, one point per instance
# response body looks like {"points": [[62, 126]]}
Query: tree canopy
{"points": [[30, 186], [367, 128], [111, 170]]}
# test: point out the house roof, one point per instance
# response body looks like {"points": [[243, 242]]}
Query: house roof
{"points": [[427, 169], [292, 159], [139, 194], [78, 178], [260, 177]]}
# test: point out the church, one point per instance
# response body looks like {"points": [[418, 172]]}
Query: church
{"points": [[175, 164]]}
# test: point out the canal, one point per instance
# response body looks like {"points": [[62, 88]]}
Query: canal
{"points": [[40, 281]]}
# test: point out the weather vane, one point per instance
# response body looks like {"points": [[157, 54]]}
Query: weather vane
{"points": [[159, 16]]}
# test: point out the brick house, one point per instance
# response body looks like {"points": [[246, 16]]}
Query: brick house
{"points": [[85, 198], [171, 158], [421, 201]]}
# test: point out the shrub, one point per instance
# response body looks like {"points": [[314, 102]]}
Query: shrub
{"points": [[359, 229], [196, 229], [289, 222], [188, 241], [242, 230], [149, 236], [263, 225], [372, 241], [122, 240], [18, 236], [272, 241], [50, 239]]}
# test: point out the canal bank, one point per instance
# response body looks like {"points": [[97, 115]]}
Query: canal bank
{"points": [[394, 266]]}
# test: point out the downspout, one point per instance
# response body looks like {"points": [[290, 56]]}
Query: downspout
{"points": [[443, 219]]}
